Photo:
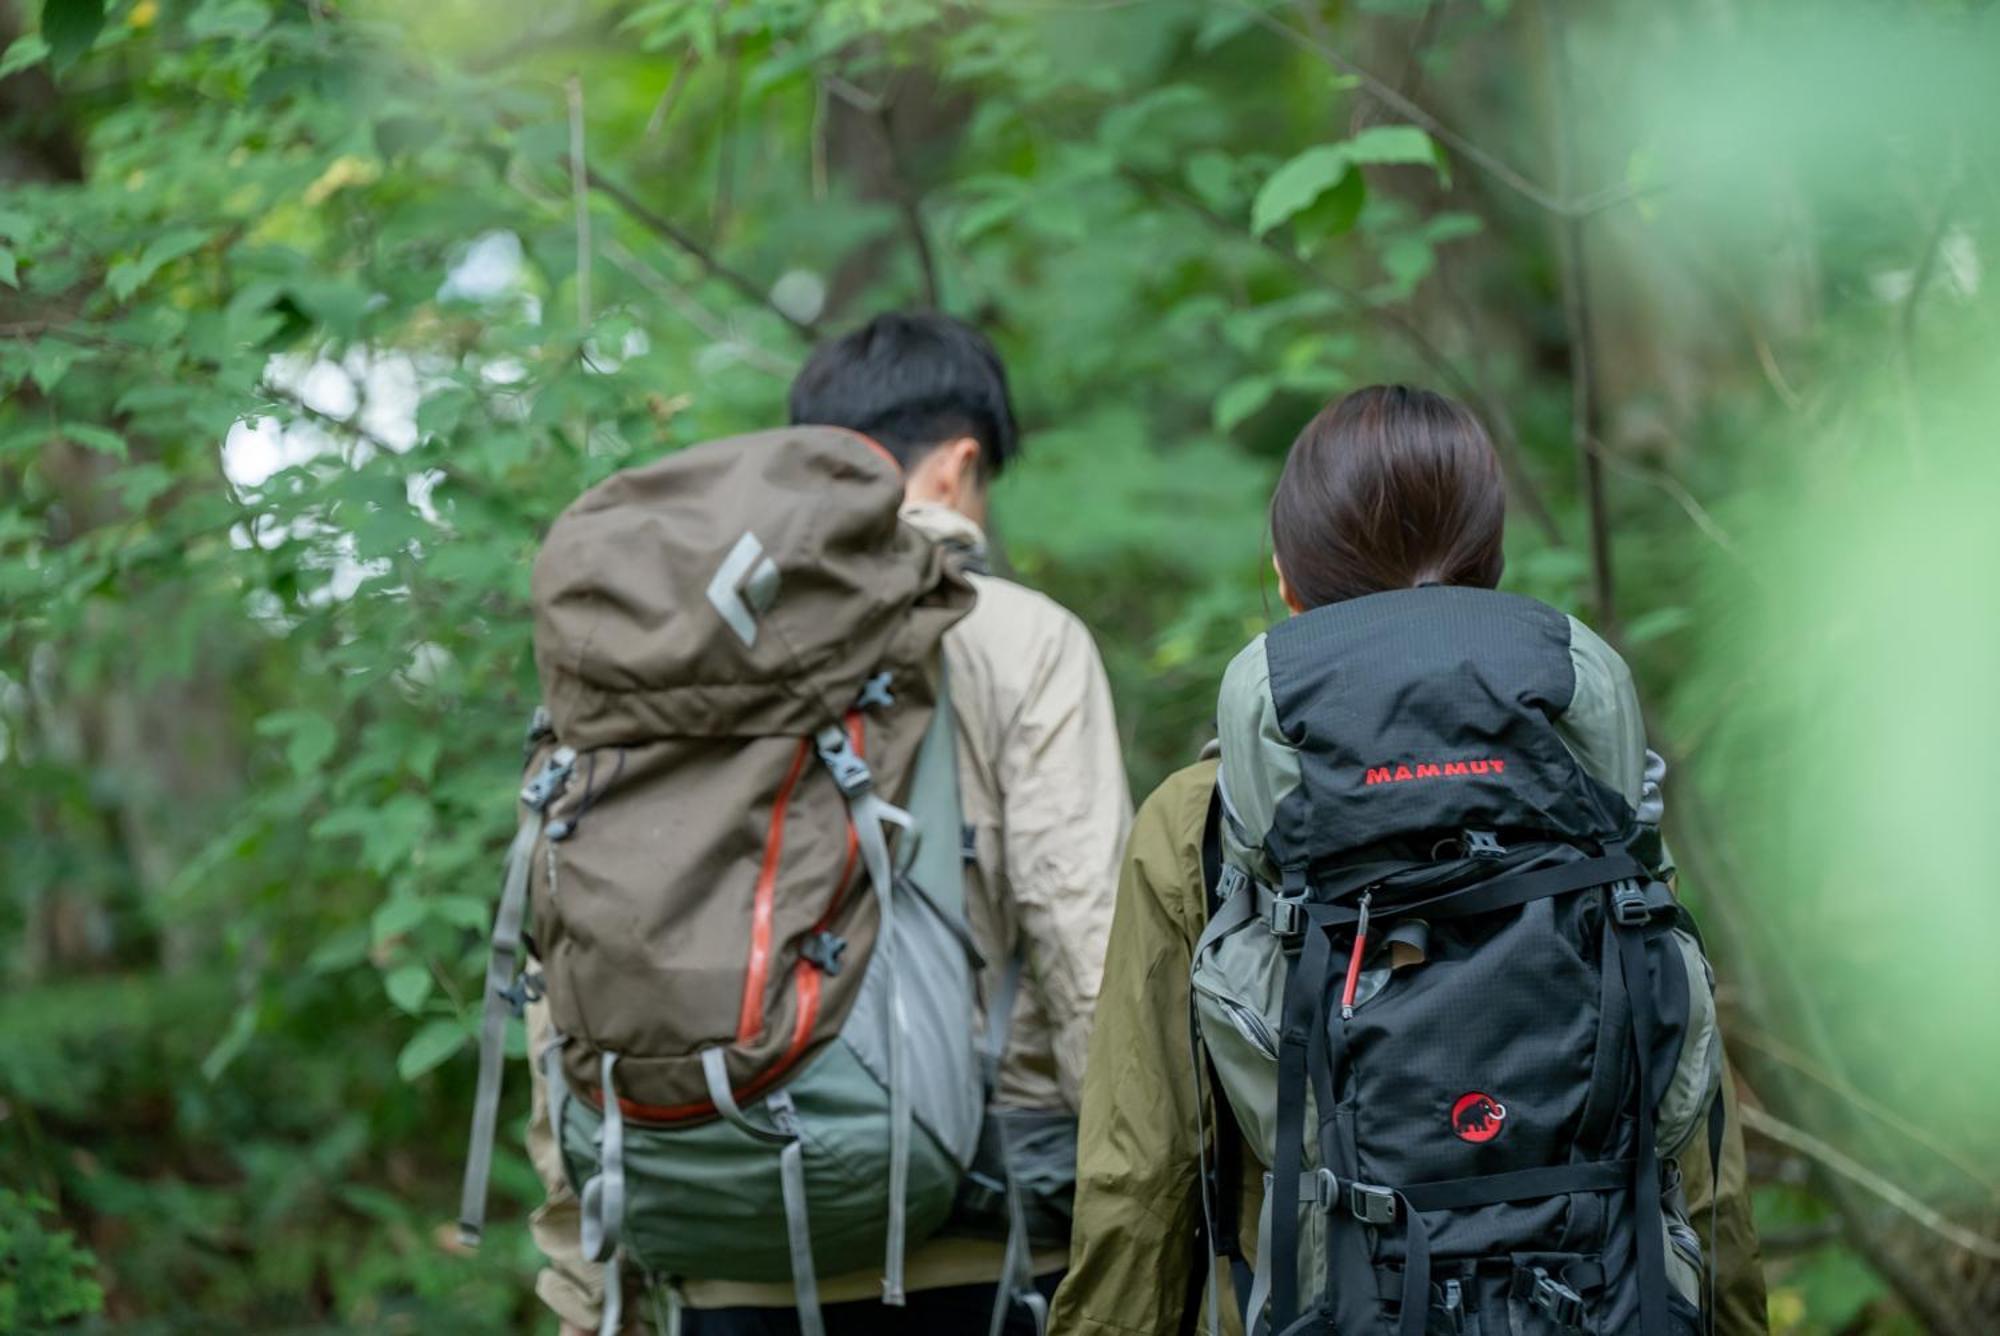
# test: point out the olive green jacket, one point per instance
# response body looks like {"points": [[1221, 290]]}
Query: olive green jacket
{"points": [[1133, 1257]]}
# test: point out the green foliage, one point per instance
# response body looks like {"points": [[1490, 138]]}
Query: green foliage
{"points": [[300, 354], [45, 1278]]}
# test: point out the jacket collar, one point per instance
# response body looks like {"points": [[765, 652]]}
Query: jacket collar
{"points": [[950, 529]]}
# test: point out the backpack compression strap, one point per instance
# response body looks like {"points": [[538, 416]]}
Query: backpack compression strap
{"points": [[870, 812], [504, 995]]}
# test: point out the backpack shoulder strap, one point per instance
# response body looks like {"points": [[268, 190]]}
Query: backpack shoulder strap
{"points": [[937, 866]]}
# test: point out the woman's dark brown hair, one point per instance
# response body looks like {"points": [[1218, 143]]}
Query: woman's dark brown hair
{"points": [[1388, 488]]}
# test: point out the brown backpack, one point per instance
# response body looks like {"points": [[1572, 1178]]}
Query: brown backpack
{"points": [[745, 769]]}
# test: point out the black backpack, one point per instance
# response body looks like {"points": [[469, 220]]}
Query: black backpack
{"points": [[1442, 986]]}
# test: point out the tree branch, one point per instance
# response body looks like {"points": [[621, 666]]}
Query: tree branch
{"points": [[682, 241], [1585, 409], [1393, 98], [1835, 1161], [909, 202]]}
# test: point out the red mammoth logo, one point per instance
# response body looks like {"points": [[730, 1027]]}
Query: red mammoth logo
{"points": [[1477, 1117]]}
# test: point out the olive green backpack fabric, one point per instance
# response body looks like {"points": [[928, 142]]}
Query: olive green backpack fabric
{"points": [[738, 871]]}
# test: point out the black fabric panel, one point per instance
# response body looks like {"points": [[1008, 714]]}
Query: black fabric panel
{"points": [[1429, 710]]}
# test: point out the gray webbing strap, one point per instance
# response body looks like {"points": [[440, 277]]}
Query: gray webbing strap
{"points": [[558, 1092], [1017, 1282], [501, 966], [787, 1135], [603, 1195], [869, 814], [603, 1201], [717, 1076], [798, 1225], [1260, 1282]]}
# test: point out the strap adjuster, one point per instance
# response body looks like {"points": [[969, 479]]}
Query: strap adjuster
{"points": [[1230, 882], [1483, 844], [1563, 1305], [526, 988], [538, 792], [1287, 917], [824, 949], [849, 771], [1371, 1205], [1633, 903], [1320, 1187]]}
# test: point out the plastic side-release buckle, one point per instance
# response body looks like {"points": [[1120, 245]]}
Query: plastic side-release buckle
{"points": [[538, 792], [1483, 844], [849, 771], [1371, 1205], [1634, 903], [1563, 1305], [1287, 917], [1232, 880]]}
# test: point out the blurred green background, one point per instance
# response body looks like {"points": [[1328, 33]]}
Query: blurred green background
{"points": [[314, 313]]}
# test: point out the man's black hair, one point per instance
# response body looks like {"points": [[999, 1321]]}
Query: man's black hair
{"points": [[911, 381]]}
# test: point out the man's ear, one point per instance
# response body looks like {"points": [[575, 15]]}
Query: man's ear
{"points": [[957, 462], [1285, 588]]}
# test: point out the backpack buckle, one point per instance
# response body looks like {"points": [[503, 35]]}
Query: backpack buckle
{"points": [[1634, 903], [823, 949], [849, 771], [1563, 1305], [526, 988], [1287, 917], [1483, 844], [538, 792], [1371, 1205], [1230, 882], [1321, 1188]]}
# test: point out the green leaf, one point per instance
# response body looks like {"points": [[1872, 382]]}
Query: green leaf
{"points": [[24, 51], [242, 1028], [408, 986], [70, 27], [429, 1047], [101, 439], [342, 951], [1657, 623], [128, 276], [396, 917], [310, 738], [1297, 184], [1241, 400], [1393, 143]]}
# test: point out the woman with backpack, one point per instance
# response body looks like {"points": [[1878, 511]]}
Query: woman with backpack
{"points": [[1421, 889]]}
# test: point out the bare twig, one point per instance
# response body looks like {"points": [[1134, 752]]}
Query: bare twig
{"points": [[909, 205], [684, 303], [1675, 488], [1835, 1161], [1777, 1049], [679, 238], [1584, 409], [670, 98], [579, 183], [1506, 440]]}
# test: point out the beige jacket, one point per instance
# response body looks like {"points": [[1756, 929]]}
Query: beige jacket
{"points": [[1043, 786]]}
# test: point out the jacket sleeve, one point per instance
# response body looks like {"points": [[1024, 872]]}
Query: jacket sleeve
{"points": [[1729, 1235], [1065, 811], [1132, 1245]]}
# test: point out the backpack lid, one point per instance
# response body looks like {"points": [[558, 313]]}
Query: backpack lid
{"points": [[745, 587], [1400, 715]]}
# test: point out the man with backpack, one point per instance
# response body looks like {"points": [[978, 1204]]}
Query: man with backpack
{"points": [[1025, 867]]}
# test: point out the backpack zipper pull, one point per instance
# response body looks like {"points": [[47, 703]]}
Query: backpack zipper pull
{"points": [[1354, 960]]}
